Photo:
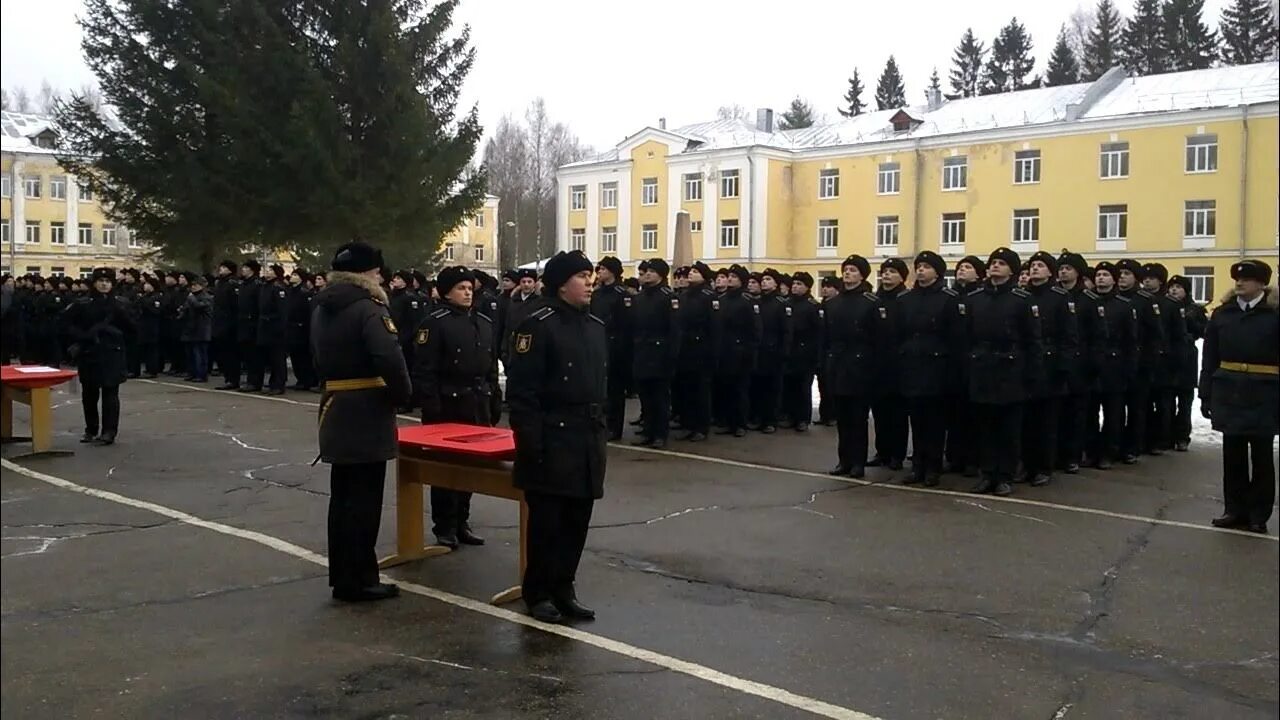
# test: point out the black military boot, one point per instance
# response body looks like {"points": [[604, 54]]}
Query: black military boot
{"points": [[89, 436], [984, 486], [569, 606], [546, 611], [447, 538], [106, 438], [1041, 479], [466, 537], [839, 470], [1229, 520]]}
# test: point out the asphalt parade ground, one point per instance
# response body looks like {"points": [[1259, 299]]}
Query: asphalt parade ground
{"points": [[180, 573]]}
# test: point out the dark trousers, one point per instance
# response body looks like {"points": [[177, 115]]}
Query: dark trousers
{"points": [[229, 360], [149, 354], [450, 510], [766, 390], [1105, 439], [962, 437], [733, 395], [694, 392], [110, 397], [133, 357], [276, 359], [1000, 437], [304, 371], [1182, 398], [1040, 436], [1136, 402], [355, 512], [826, 403], [890, 415], [198, 365], [615, 401], [557, 534], [928, 434], [174, 354], [797, 397], [851, 429], [655, 407], [1160, 419], [1071, 429], [1247, 494], [251, 362]]}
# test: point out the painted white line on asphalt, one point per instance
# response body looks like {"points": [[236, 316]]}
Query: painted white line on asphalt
{"points": [[1097, 512], [674, 664]]}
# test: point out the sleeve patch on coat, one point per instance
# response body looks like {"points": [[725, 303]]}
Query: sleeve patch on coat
{"points": [[390, 325], [422, 337], [524, 341]]}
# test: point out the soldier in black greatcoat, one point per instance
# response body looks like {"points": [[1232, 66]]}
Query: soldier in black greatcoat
{"points": [[1160, 410], [298, 315], [408, 309], [925, 342], [738, 329], [771, 358], [357, 353], [888, 409], [149, 311], [857, 333], [962, 436], [247, 325], [1113, 359], [49, 307], [226, 308], [1240, 393], [453, 377], [175, 294], [1151, 349], [829, 288], [99, 325], [612, 304], [1005, 359], [697, 360], [1071, 410], [523, 300], [1059, 337], [556, 387], [273, 329], [1184, 385], [804, 355], [655, 329]]}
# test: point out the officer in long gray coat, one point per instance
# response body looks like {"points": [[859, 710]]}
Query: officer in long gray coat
{"points": [[356, 347]]}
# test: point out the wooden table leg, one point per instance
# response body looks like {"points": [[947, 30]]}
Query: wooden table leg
{"points": [[512, 594], [410, 537], [41, 401], [6, 413]]}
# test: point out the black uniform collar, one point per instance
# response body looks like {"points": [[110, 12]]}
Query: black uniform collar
{"points": [[1035, 289], [935, 287], [1008, 286], [885, 292], [858, 289]]}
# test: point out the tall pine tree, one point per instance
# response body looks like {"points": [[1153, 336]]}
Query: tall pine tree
{"points": [[890, 92], [1011, 60], [853, 105], [799, 115], [1192, 45], [1063, 68], [935, 83], [1248, 30], [1102, 46], [967, 65], [1143, 48]]}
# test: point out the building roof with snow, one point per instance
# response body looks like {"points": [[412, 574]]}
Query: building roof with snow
{"points": [[1114, 95], [26, 133]]}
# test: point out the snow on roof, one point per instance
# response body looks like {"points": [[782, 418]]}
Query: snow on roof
{"points": [[1183, 91], [20, 130]]}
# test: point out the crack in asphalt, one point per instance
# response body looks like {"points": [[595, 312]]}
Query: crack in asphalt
{"points": [[813, 497], [466, 668]]}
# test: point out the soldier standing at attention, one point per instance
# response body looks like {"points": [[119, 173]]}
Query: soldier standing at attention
{"points": [[556, 387], [925, 342], [226, 307], [356, 348], [697, 352], [612, 304], [99, 325], [739, 332], [830, 287], [1184, 385], [656, 333], [247, 325], [1071, 419], [1240, 392], [1056, 312], [775, 340], [1150, 356], [805, 354], [1155, 278], [453, 376], [962, 442], [889, 411], [273, 329], [1113, 348], [1006, 358], [856, 329]]}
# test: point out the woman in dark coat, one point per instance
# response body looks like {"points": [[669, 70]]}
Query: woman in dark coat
{"points": [[99, 325], [1240, 392], [196, 318]]}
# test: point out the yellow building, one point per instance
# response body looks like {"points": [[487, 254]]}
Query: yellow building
{"points": [[474, 242], [50, 224], [1178, 168]]}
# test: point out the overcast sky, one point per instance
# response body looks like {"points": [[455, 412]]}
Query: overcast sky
{"points": [[611, 67]]}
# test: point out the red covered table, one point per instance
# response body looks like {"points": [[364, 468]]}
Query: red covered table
{"points": [[471, 458], [31, 385]]}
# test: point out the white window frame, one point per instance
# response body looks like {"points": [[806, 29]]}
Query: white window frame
{"points": [[477, 253], [1113, 224], [609, 239], [955, 173], [828, 234], [577, 197], [1026, 225], [728, 234], [1201, 279], [58, 271], [479, 220], [649, 191], [954, 229], [609, 196], [1113, 161], [889, 178], [692, 187], [729, 187], [888, 228], [84, 193], [1026, 167], [695, 226], [31, 186], [134, 240], [1200, 219], [86, 273], [26, 232], [578, 239], [649, 238], [57, 233], [6, 231], [6, 185], [828, 183], [84, 234], [1201, 154], [57, 187], [449, 251]]}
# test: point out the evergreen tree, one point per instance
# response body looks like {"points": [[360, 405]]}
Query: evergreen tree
{"points": [[1192, 45], [1102, 46], [1011, 60], [935, 83], [1143, 48], [890, 92], [799, 115], [853, 105], [1063, 68], [1248, 29], [966, 73]]}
